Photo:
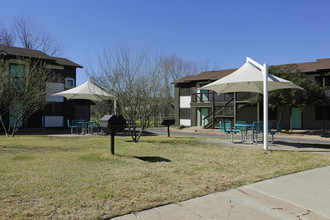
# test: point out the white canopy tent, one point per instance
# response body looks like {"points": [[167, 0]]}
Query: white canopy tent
{"points": [[252, 77], [89, 91]]}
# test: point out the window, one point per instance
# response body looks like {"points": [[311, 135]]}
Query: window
{"points": [[185, 90], [17, 76], [327, 81], [69, 83], [54, 109], [184, 113], [321, 111], [319, 80]]}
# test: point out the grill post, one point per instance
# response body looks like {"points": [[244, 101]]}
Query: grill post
{"points": [[168, 121], [112, 124], [112, 143]]}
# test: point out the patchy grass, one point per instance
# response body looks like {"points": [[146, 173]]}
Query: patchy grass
{"points": [[49, 177], [23, 157]]}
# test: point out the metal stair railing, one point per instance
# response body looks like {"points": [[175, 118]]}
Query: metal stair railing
{"points": [[216, 113]]}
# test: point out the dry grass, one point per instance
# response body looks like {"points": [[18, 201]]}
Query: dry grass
{"points": [[47, 177]]}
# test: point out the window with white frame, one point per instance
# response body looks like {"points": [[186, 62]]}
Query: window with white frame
{"points": [[17, 76], [69, 83]]}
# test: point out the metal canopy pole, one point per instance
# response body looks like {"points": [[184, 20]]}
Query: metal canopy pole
{"points": [[264, 70]]}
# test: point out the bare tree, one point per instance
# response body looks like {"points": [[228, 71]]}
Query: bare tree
{"points": [[173, 68], [101, 108], [22, 92], [27, 34], [32, 36], [6, 37], [142, 83], [132, 73]]}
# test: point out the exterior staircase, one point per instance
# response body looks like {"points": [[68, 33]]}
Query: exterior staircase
{"points": [[226, 112]]}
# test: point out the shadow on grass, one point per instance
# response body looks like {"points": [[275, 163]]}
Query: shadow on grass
{"points": [[153, 159], [303, 145], [289, 144], [107, 157], [317, 148], [144, 133], [323, 146]]}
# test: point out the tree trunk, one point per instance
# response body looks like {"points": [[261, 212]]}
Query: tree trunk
{"points": [[140, 134], [132, 133], [4, 127]]}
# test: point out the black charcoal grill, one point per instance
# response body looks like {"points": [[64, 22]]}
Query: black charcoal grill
{"points": [[112, 124], [168, 121]]}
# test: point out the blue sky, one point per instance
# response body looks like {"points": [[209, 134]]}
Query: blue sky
{"points": [[221, 32]]}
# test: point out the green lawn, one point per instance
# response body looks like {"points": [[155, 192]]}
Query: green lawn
{"points": [[45, 177]]}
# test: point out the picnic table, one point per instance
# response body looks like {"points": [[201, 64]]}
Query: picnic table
{"points": [[243, 128], [87, 126]]}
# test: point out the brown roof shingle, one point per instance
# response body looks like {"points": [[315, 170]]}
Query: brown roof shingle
{"points": [[208, 75], [319, 64], [23, 52], [17, 51], [66, 62]]}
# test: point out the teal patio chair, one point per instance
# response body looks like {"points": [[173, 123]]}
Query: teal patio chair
{"points": [[242, 129], [221, 126], [72, 126], [256, 129], [228, 129], [75, 122], [278, 129]]}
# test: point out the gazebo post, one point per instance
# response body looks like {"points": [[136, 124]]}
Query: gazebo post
{"points": [[265, 72]]}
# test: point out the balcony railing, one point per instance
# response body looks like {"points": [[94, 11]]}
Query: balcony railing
{"points": [[207, 96]]}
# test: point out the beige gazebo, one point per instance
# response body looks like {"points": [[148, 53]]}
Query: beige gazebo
{"points": [[252, 77]]}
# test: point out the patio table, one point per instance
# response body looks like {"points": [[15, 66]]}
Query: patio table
{"points": [[243, 127], [86, 125]]}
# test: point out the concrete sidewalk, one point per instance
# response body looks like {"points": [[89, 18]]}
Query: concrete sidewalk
{"points": [[304, 195]]}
